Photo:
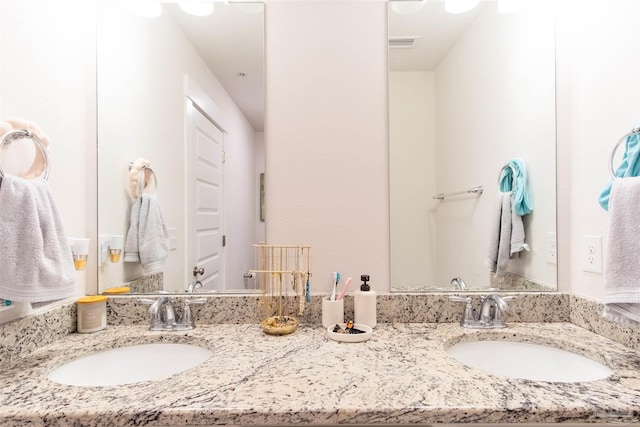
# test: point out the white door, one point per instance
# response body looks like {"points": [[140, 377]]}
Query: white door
{"points": [[204, 199]]}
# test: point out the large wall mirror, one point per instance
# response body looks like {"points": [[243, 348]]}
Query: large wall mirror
{"points": [[470, 93], [184, 93]]}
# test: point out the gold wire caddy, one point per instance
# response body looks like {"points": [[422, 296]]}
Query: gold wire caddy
{"points": [[283, 273]]}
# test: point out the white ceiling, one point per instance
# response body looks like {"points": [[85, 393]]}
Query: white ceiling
{"points": [[437, 31], [231, 41]]}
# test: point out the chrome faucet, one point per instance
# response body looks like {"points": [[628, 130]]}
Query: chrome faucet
{"points": [[459, 283], [490, 314], [193, 286], [163, 315], [197, 271]]}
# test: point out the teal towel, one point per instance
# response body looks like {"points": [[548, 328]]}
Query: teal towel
{"points": [[629, 167], [522, 202]]}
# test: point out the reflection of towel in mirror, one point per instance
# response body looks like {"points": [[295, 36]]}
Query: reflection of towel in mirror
{"points": [[517, 232], [147, 240], [131, 253], [35, 257], [519, 185], [622, 269], [500, 235], [629, 167]]}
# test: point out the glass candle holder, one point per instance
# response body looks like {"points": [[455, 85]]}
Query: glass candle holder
{"points": [[80, 261], [115, 248], [80, 252]]}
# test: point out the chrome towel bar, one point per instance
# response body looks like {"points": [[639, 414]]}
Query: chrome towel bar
{"points": [[475, 190]]}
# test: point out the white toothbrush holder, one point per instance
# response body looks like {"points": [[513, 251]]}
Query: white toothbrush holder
{"points": [[332, 312]]}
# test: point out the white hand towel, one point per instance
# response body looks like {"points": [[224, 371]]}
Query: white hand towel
{"points": [[517, 232], [622, 266], [494, 235], [131, 251], [153, 237], [36, 264], [500, 235], [148, 239]]}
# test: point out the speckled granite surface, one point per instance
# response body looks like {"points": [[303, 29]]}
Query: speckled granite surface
{"points": [[402, 308], [509, 282], [24, 335], [148, 283], [401, 376], [588, 314]]}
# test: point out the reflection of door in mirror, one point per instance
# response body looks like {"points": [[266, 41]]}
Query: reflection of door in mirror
{"points": [[142, 64], [205, 209], [467, 93]]}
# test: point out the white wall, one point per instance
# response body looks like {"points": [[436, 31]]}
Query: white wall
{"points": [[240, 203], [598, 102], [326, 133], [260, 162], [412, 178], [495, 101], [55, 88], [326, 128], [142, 63]]}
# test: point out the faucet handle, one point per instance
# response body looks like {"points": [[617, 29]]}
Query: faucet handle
{"points": [[499, 309], [187, 318], [468, 308]]}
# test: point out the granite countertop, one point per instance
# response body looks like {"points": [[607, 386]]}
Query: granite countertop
{"points": [[402, 375]]}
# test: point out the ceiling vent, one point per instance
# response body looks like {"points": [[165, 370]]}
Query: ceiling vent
{"points": [[404, 42]]}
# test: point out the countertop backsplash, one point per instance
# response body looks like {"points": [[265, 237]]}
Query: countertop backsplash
{"points": [[21, 336], [391, 308], [26, 334]]}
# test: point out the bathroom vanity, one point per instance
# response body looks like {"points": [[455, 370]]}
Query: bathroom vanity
{"points": [[402, 375]]}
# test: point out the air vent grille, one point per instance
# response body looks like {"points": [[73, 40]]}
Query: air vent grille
{"points": [[404, 42]]}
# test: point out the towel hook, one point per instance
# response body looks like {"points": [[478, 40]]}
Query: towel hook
{"points": [[16, 134], [613, 152]]}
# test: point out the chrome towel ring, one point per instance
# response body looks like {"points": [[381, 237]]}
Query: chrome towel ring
{"points": [[17, 134], [142, 180], [613, 152]]}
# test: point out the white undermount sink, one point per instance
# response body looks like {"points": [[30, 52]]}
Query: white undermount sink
{"points": [[528, 361], [127, 365]]}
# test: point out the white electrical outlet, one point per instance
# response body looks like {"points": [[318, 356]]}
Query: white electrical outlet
{"points": [[592, 254], [552, 248]]}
